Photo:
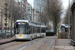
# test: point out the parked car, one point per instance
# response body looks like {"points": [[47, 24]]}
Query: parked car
{"points": [[51, 30], [8, 33]]}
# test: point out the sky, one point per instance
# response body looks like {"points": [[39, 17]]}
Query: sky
{"points": [[65, 4], [31, 2]]}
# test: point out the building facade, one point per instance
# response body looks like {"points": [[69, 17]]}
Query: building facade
{"points": [[6, 21]]}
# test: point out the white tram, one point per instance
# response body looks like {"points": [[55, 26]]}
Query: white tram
{"points": [[25, 29]]}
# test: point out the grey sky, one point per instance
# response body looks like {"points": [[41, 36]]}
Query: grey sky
{"points": [[65, 4], [31, 2]]}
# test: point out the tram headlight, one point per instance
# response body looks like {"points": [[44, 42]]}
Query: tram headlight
{"points": [[25, 35]]}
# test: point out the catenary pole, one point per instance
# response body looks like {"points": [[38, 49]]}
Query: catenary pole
{"points": [[69, 21], [11, 18]]}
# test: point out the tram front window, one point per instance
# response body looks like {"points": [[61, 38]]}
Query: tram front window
{"points": [[21, 28]]}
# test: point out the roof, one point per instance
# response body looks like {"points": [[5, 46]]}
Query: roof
{"points": [[29, 22], [22, 21]]}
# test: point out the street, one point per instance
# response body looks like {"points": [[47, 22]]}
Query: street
{"points": [[46, 43], [37, 25]]}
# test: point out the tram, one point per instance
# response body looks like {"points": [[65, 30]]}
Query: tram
{"points": [[25, 29]]}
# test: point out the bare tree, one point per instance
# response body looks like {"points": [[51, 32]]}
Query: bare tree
{"points": [[16, 10], [53, 12]]}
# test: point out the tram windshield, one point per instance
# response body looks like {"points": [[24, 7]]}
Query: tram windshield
{"points": [[21, 28]]}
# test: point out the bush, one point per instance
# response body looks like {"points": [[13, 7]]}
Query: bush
{"points": [[50, 33]]}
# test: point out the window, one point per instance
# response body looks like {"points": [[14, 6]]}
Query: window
{"points": [[43, 30], [21, 28]]}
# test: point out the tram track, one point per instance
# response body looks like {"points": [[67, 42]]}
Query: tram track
{"points": [[29, 44], [46, 44], [22, 43], [49, 44], [41, 45], [10, 45], [36, 44]]}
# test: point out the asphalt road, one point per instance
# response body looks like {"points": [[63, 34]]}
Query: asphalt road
{"points": [[46, 43]]}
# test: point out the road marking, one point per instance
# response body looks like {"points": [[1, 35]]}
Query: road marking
{"points": [[5, 45], [42, 44], [50, 44], [28, 44], [55, 44]]}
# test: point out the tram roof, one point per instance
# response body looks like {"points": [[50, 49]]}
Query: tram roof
{"points": [[32, 23], [22, 21]]}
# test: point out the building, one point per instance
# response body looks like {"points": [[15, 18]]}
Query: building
{"points": [[39, 5], [3, 4], [6, 17], [29, 12], [73, 24]]}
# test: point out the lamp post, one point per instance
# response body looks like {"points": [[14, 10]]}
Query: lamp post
{"points": [[1, 18], [69, 21], [21, 9], [11, 18]]}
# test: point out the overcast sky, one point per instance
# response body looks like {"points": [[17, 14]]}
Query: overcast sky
{"points": [[31, 2], [64, 5], [64, 2]]}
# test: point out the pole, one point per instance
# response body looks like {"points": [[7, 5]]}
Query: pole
{"points": [[59, 36], [40, 21], [21, 9], [40, 16], [69, 21], [11, 18], [31, 14], [6, 19], [1, 18]]}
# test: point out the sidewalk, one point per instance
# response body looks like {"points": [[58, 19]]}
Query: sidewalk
{"points": [[6, 40], [63, 44]]}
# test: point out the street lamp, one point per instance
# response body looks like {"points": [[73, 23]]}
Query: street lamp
{"points": [[11, 18], [69, 21]]}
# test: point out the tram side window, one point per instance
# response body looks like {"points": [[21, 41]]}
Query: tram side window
{"points": [[30, 29], [14, 28], [43, 30], [38, 29], [35, 29]]}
